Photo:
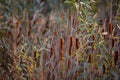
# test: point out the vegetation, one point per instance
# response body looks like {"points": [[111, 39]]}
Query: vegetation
{"points": [[59, 39]]}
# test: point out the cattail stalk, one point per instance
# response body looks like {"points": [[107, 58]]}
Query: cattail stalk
{"points": [[115, 57]]}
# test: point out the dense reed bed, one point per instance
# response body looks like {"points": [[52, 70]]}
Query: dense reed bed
{"points": [[66, 44]]}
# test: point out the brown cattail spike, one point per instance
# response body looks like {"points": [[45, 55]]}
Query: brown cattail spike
{"points": [[51, 51], [70, 51], [71, 44], [35, 55], [62, 47], [110, 28], [61, 43], [113, 41], [19, 32], [104, 68], [93, 38], [71, 41], [115, 57], [90, 58], [77, 43]]}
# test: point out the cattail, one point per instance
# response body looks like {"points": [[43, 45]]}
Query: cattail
{"points": [[70, 51], [62, 47], [89, 58], [51, 51], [110, 28], [115, 57], [100, 22], [29, 31], [71, 41], [69, 63], [29, 27], [61, 43], [113, 41], [104, 68], [71, 44], [77, 43], [19, 32], [93, 37], [62, 54], [103, 32], [35, 55]]}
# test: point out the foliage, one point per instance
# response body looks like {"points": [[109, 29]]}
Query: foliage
{"points": [[68, 42]]}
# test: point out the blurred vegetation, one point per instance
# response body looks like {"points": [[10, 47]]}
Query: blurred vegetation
{"points": [[59, 39]]}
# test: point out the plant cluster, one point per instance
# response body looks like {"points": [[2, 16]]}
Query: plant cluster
{"points": [[71, 43]]}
